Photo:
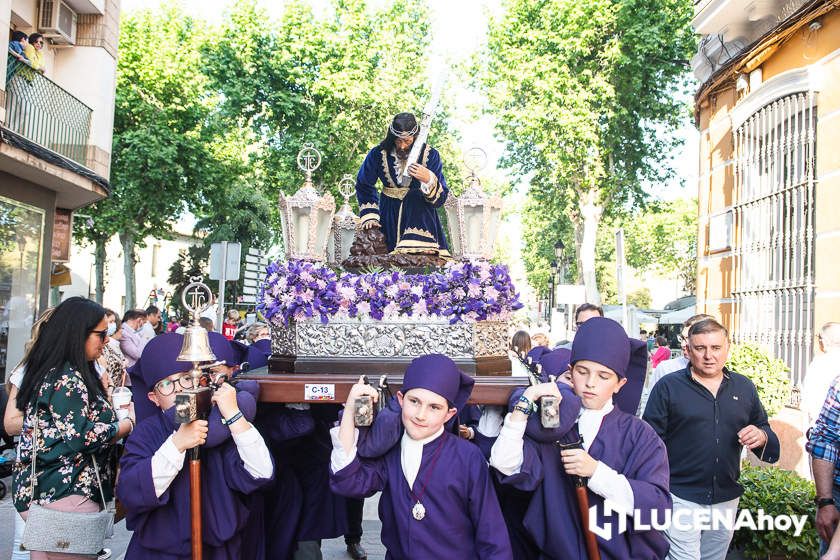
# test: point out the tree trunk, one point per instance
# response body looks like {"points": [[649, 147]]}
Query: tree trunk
{"points": [[590, 213], [99, 264], [127, 240]]}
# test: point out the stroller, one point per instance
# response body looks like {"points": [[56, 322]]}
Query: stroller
{"points": [[6, 442]]}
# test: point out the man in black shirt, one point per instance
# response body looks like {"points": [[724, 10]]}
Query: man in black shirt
{"points": [[705, 414]]}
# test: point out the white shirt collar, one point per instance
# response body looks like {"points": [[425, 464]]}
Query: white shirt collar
{"points": [[589, 422], [411, 454]]}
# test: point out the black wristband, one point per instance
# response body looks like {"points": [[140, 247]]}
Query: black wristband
{"points": [[823, 502]]}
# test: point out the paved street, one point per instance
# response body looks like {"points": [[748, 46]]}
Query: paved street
{"points": [[333, 549]]}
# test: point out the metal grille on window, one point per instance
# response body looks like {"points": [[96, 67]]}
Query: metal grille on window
{"points": [[775, 175]]}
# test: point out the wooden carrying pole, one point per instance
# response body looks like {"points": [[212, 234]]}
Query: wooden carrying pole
{"points": [[583, 506], [195, 502], [589, 539]]}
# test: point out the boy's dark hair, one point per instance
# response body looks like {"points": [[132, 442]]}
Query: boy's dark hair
{"points": [[206, 323], [588, 307], [707, 326], [152, 310], [34, 37], [62, 341], [18, 35], [661, 341], [132, 314]]}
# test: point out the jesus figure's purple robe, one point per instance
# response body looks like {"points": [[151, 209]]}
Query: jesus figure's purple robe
{"points": [[462, 517]]}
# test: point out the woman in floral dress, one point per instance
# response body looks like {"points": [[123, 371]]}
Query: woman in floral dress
{"points": [[75, 419]]}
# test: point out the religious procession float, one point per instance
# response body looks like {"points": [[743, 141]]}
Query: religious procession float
{"points": [[365, 294]]}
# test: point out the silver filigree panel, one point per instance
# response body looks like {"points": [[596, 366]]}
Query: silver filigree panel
{"points": [[386, 339]]}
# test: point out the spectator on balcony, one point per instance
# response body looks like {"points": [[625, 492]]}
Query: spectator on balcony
{"points": [[17, 46], [33, 51]]}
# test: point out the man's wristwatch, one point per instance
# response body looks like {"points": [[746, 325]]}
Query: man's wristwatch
{"points": [[823, 502]]}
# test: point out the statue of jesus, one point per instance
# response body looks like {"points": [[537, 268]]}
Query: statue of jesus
{"points": [[407, 215]]}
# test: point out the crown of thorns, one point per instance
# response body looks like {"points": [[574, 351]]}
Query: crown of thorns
{"points": [[404, 134]]}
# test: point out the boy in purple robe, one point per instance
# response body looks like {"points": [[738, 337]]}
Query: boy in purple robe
{"points": [[155, 489], [620, 459], [437, 498]]}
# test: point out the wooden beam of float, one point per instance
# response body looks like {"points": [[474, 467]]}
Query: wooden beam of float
{"points": [[334, 388]]}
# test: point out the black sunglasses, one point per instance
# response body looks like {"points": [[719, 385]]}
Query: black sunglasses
{"points": [[101, 334]]}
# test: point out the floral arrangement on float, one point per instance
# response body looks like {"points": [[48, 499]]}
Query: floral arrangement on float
{"points": [[465, 291]]}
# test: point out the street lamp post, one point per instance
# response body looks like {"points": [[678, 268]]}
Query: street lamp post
{"points": [[559, 255], [551, 290]]}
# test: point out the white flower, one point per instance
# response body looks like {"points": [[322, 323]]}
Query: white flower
{"points": [[363, 307], [391, 310]]}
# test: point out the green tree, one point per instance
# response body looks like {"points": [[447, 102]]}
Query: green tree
{"points": [[582, 96], [664, 238], [159, 157], [335, 82]]}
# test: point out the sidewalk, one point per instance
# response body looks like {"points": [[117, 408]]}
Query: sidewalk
{"points": [[333, 549]]}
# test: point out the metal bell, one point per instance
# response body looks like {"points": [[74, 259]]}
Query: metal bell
{"points": [[196, 347]]}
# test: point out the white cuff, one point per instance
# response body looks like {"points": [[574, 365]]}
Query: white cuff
{"points": [[613, 486], [507, 454], [338, 458], [167, 462], [254, 453]]}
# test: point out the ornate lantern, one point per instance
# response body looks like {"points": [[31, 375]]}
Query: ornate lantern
{"points": [[474, 216], [306, 216], [344, 224]]}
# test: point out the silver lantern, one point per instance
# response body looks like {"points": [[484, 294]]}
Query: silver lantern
{"points": [[344, 224], [306, 216], [474, 216]]}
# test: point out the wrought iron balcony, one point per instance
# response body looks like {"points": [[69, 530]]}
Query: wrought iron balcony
{"points": [[42, 111]]}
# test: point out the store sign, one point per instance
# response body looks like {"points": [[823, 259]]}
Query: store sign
{"points": [[62, 235]]}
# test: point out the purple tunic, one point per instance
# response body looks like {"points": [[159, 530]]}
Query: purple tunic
{"points": [[162, 525], [624, 443], [282, 501], [462, 519]]}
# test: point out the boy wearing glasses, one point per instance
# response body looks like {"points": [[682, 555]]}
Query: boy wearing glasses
{"points": [[155, 489]]}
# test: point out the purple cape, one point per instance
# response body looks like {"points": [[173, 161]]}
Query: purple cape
{"points": [[624, 443], [462, 518], [161, 525]]}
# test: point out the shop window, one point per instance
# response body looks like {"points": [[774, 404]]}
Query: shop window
{"points": [[21, 247]]}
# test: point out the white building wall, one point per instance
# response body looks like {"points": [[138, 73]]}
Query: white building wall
{"points": [[151, 272], [90, 74]]}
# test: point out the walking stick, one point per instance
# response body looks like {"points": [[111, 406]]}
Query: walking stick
{"points": [[592, 551]]}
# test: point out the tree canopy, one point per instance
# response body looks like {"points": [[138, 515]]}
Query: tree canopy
{"points": [[583, 95]]}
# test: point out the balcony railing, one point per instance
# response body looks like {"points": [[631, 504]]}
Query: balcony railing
{"points": [[42, 111]]}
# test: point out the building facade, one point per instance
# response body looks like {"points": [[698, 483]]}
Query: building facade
{"points": [[768, 110], [56, 129]]}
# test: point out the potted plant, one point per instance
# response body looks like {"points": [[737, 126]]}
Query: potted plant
{"points": [[770, 375], [777, 492]]}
